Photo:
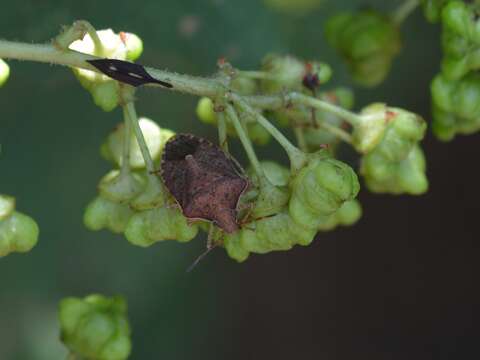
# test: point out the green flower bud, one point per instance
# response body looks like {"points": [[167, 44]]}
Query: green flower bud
{"points": [[444, 124], [369, 132], [4, 72], [120, 186], [342, 96], [277, 174], [411, 173], [320, 188], [270, 195], [322, 71], [152, 197], [205, 111], [257, 134], [133, 44], [457, 17], [7, 206], [285, 73], [395, 138], [106, 95], [165, 223], [348, 214], [270, 199], [294, 7], [95, 327], [456, 106], [275, 233], [367, 41], [123, 46], [460, 40], [432, 9], [105, 214], [233, 246], [406, 176], [155, 138], [442, 92], [18, 232], [244, 85]]}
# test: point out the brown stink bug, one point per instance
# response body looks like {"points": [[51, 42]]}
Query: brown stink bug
{"points": [[205, 181]]}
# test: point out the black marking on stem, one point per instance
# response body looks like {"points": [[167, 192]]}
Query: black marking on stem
{"points": [[126, 72]]}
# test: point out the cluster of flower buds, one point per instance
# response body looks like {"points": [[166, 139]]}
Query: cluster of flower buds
{"points": [[121, 46], [270, 208], [95, 327], [135, 202], [393, 161], [367, 41], [455, 91], [318, 198], [4, 72], [18, 232]]}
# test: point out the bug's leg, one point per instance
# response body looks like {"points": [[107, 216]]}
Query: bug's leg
{"points": [[211, 244]]}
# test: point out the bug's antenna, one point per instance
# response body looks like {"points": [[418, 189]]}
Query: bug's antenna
{"points": [[211, 244], [126, 72]]}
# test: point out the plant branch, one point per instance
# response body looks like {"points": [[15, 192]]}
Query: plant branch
{"points": [[131, 114], [127, 133], [299, 135], [211, 87], [350, 117], [48, 53], [244, 139], [255, 74]]}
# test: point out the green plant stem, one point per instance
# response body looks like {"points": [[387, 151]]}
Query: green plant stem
{"points": [[130, 112], [350, 117], [127, 134], [279, 101], [297, 157], [97, 43], [76, 32], [222, 130], [404, 10], [244, 139], [299, 135], [255, 74], [334, 130], [338, 132]]}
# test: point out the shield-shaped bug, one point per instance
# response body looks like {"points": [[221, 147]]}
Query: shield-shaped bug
{"points": [[204, 180]]}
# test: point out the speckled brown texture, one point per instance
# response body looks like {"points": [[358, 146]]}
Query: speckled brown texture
{"points": [[205, 182]]}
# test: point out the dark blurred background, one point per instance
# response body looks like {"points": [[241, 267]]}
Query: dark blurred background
{"points": [[401, 284]]}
